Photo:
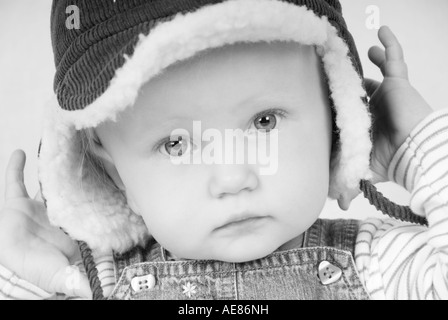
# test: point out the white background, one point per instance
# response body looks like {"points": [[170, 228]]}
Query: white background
{"points": [[27, 69]]}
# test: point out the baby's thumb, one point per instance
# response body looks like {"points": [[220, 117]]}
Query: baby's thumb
{"points": [[72, 282], [14, 182]]}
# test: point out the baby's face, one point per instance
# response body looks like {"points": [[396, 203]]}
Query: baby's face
{"points": [[227, 212]]}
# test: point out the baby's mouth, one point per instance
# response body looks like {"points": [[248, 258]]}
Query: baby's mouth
{"points": [[242, 222]]}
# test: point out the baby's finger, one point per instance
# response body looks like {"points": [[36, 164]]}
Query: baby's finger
{"points": [[15, 186], [378, 57], [394, 51], [55, 237], [395, 66], [70, 281]]}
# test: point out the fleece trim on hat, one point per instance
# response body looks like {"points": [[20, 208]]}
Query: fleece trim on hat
{"points": [[99, 215]]}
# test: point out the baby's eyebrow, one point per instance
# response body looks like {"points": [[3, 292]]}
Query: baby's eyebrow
{"points": [[244, 109], [266, 99], [164, 126], [257, 98]]}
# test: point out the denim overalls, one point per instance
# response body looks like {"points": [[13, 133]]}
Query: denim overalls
{"points": [[323, 269]]}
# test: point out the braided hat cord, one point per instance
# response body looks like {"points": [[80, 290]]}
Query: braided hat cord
{"points": [[376, 198], [91, 270]]}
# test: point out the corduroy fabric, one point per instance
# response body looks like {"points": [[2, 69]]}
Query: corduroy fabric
{"points": [[86, 59]]}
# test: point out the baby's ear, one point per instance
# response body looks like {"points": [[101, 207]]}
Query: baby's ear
{"points": [[346, 198], [107, 162]]}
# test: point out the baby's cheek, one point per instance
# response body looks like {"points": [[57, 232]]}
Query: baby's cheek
{"points": [[168, 209], [303, 173], [180, 235]]}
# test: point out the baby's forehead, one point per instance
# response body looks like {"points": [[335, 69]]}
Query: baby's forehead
{"points": [[243, 52], [247, 65]]}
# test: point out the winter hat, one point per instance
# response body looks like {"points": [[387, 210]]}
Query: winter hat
{"points": [[120, 45]]}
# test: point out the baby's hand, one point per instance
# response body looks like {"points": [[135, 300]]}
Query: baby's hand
{"points": [[396, 106], [29, 246]]}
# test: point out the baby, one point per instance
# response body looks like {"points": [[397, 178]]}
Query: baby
{"points": [[127, 174]]}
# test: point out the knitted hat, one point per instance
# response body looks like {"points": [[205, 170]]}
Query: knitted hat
{"points": [[121, 45]]}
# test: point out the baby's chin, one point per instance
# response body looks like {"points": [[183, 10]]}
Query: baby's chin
{"points": [[244, 255], [234, 253]]}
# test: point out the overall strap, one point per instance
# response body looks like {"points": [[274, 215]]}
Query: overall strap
{"points": [[152, 251], [340, 234]]}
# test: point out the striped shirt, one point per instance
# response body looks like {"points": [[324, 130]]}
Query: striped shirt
{"points": [[395, 260], [399, 260]]}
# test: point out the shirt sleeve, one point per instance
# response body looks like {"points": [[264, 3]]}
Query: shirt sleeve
{"points": [[14, 288], [398, 260]]}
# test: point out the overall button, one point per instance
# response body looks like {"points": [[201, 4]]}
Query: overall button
{"points": [[329, 273], [143, 283]]}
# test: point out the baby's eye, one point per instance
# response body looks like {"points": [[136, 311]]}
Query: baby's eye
{"points": [[268, 120], [177, 147]]}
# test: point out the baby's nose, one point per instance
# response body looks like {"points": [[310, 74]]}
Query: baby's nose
{"points": [[228, 179]]}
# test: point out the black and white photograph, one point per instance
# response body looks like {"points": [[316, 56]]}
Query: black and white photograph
{"points": [[309, 160]]}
